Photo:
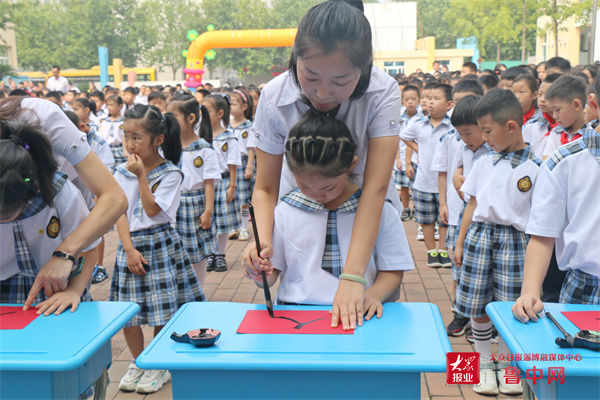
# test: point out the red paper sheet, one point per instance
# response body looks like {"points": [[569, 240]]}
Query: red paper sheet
{"points": [[584, 320], [12, 317], [311, 322]]}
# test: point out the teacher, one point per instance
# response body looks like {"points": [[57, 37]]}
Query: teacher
{"points": [[331, 70], [68, 142]]}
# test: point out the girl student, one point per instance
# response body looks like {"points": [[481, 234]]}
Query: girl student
{"points": [[152, 267], [39, 207], [525, 87], [227, 210], [111, 128], [313, 223], [331, 70], [255, 94], [241, 125], [200, 170]]}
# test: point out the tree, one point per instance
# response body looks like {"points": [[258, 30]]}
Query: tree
{"points": [[559, 12]]}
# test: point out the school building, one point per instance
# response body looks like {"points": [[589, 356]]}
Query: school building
{"points": [[8, 47]]}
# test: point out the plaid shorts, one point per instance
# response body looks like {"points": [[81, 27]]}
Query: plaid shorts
{"points": [[226, 216], [580, 288], [492, 268], [245, 186], [427, 207], [118, 154], [169, 283], [451, 235], [401, 179], [197, 242]]}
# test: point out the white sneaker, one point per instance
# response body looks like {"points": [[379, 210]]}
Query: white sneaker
{"points": [[153, 380], [487, 382], [243, 235], [420, 236], [507, 388], [130, 380]]}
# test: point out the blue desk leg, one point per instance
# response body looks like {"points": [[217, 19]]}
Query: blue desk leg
{"points": [[256, 384]]}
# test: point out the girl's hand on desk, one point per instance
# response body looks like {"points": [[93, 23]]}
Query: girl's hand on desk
{"points": [[59, 302], [53, 278], [527, 308], [348, 305], [372, 306]]}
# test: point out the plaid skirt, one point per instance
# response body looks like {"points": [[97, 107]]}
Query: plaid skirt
{"points": [[197, 242], [227, 216], [118, 154], [401, 179], [492, 267], [15, 290], [580, 288], [245, 186], [169, 282]]}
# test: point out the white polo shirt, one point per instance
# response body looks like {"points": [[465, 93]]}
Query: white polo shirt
{"points": [[502, 184], [299, 243], [447, 159], [404, 121], [553, 142], [198, 163], [535, 133], [60, 84], [468, 158], [565, 203], [228, 153], [111, 131], [375, 114], [245, 135], [422, 132]]}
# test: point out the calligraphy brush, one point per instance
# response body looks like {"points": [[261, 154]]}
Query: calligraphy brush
{"points": [[262, 273]]}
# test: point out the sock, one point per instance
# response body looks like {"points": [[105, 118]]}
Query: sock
{"points": [[503, 349], [245, 217], [221, 243], [482, 333], [200, 270]]}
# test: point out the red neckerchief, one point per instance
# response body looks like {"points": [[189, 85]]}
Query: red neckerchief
{"points": [[529, 114], [564, 138], [551, 121]]}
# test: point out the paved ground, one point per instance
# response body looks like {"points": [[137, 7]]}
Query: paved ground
{"points": [[421, 285]]}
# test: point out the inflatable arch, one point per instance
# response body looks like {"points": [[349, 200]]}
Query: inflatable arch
{"points": [[230, 39]]}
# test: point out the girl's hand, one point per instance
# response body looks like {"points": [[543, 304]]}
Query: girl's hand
{"points": [[253, 272], [348, 305], [250, 258], [410, 171], [135, 165], [59, 302], [399, 164], [205, 219], [53, 278], [248, 173], [444, 214], [372, 306], [230, 193], [527, 307], [458, 255], [135, 262]]}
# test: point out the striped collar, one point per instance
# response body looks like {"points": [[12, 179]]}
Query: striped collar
{"points": [[297, 199], [591, 138], [37, 204], [225, 135], [197, 145], [157, 172], [516, 158], [244, 125]]}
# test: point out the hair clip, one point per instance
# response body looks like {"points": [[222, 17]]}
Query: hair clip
{"points": [[19, 142]]}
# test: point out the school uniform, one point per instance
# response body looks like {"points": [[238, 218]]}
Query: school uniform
{"points": [[227, 216], [536, 131], [425, 188], [29, 241], [246, 140], [558, 137], [400, 178], [198, 163], [494, 249], [565, 207], [112, 132], [374, 114], [311, 243], [170, 280]]}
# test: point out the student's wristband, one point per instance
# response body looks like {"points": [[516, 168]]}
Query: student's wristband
{"points": [[354, 278]]}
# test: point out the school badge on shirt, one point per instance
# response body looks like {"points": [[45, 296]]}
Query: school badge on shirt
{"points": [[198, 162], [224, 147], [155, 186], [245, 134], [524, 184], [53, 228]]}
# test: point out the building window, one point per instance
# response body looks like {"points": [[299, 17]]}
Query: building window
{"points": [[4, 55], [393, 68]]}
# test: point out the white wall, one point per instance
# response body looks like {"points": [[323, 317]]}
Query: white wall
{"points": [[394, 25]]}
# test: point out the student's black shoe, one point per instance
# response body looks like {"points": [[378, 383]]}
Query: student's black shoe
{"points": [[220, 263], [458, 326], [445, 260], [433, 259], [210, 262]]}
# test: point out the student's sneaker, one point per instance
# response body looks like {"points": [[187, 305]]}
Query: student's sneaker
{"points": [[130, 380], [487, 381], [220, 263], [99, 274], [153, 380], [233, 234], [405, 215], [458, 326], [507, 388], [445, 260], [210, 262], [471, 339], [243, 235], [413, 214], [433, 259], [420, 236]]}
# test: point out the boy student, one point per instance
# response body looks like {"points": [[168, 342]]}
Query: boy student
{"points": [[566, 96], [538, 128], [128, 97], [490, 247], [423, 135], [558, 65]]}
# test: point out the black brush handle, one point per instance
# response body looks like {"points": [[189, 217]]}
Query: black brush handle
{"points": [[568, 337], [266, 289]]}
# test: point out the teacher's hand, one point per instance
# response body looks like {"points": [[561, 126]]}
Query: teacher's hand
{"points": [[348, 305], [52, 278]]}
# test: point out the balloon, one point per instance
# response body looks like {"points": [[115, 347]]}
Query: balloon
{"points": [[184, 53], [192, 34], [210, 27]]}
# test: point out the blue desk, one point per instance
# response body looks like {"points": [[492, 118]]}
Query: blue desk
{"points": [[60, 356], [582, 378], [382, 359]]}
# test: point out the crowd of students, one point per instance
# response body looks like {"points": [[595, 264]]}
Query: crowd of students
{"points": [[488, 163]]}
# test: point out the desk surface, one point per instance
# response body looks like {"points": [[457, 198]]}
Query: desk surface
{"points": [[538, 337], [66, 341], [409, 337]]}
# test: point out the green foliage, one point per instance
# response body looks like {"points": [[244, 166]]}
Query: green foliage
{"points": [[7, 70]]}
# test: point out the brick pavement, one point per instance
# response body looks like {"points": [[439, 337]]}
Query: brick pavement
{"points": [[421, 285]]}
